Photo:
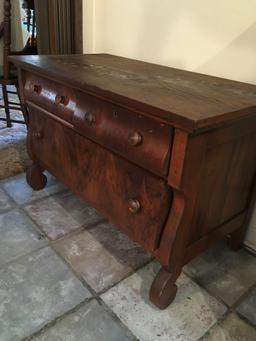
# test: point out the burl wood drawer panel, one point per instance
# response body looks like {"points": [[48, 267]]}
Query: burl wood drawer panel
{"points": [[137, 201], [50, 95], [142, 140]]}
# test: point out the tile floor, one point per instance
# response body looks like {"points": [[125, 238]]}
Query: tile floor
{"points": [[67, 274]]}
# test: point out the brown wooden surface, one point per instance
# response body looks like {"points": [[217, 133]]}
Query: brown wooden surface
{"points": [[138, 155], [228, 168], [182, 98], [107, 182], [116, 128], [43, 92]]}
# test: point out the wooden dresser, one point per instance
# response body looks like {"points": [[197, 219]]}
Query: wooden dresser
{"points": [[167, 155]]}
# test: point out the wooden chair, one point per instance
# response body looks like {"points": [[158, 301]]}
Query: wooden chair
{"points": [[8, 75]]}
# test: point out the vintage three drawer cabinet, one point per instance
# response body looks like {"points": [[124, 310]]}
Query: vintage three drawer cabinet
{"points": [[167, 155]]}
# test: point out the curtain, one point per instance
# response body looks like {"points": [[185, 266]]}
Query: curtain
{"points": [[63, 26], [54, 26]]}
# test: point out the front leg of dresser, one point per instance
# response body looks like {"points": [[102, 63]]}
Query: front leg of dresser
{"points": [[184, 177], [164, 289], [34, 174], [35, 177], [236, 238]]}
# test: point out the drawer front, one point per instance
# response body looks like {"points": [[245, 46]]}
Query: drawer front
{"points": [[49, 95], [142, 140], [135, 200]]}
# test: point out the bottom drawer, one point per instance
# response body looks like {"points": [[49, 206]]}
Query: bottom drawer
{"points": [[132, 198]]}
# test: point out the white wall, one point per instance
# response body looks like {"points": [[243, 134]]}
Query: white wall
{"points": [[213, 37]]}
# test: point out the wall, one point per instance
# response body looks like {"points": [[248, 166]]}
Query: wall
{"points": [[214, 37]]}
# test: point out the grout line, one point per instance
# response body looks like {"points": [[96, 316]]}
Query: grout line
{"points": [[217, 323], [230, 309], [243, 296], [94, 294], [21, 256], [60, 318], [219, 299], [77, 231], [76, 274], [57, 319], [132, 272], [9, 210], [114, 316], [244, 319], [37, 200], [13, 202], [224, 318]]}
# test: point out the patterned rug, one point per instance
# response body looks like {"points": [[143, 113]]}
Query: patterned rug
{"points": [[13, 155]]}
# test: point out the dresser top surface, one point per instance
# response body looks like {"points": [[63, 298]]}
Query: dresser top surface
{"points": [[185, 99]]}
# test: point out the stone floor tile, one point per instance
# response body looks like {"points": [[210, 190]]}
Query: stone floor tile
{"points": [[191, 314], [231, 329], [18, 236], [34, 291], [102, 255], [247, 307], [84, 214], [22, 193], [5, 202], [90, 323], [223, 272], [61, 214]]}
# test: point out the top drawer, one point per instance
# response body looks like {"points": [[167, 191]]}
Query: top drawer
{"points": [[52, 96], [140, 139]]}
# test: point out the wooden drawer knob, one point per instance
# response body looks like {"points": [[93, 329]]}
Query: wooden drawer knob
{"points": [[60, 99], [37, 135], [36, 88], [89, 117], [135, 138], [134, 206]]}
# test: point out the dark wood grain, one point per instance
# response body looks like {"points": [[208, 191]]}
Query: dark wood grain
{"points": [[183, 98], [117, 128], [44, 92], [167, 155], [105, 181]]}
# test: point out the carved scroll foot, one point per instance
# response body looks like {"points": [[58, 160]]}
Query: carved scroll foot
{"points": [[35, 177], [163, 289]]}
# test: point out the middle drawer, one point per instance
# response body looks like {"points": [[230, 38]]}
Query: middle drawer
{"points": [[140, 139]]}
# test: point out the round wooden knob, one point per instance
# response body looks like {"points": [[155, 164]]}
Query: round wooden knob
{"points": [[134, 206], [37, 135], [60, 99], [135, 138], [90, 118], [36, 88]]}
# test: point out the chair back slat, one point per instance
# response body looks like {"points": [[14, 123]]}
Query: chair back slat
{"points": [[6, 38]]}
